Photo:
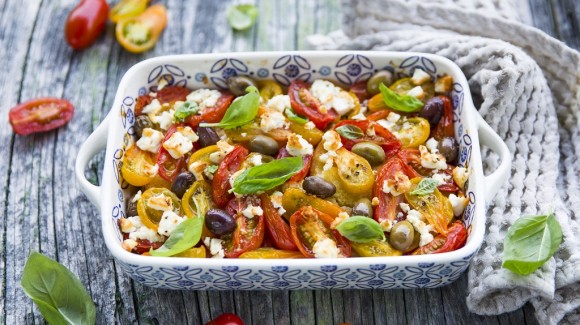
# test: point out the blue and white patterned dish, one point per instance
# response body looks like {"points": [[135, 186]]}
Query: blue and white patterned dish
{"points": [[346, 68]]}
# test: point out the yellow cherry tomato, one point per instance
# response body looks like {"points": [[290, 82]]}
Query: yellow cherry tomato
{"points": [[269, 89], [195, 252], [158, 181], [313, 135], [126, 9], [150, 216], [412, 132], [200, 192], [139, 166], [268, 253], [375, 248], [202, 155], [140, 34], [294, 198], [356, 108], [435, 207]]}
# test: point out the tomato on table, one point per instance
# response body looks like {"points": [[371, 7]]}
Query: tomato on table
{"points": [[455, 239], [305, 104], [249, 232], [138, 166], [221, 179], [167, 95], [126, 9], [277, 228], [40, 115], [150, 217], [140, 34], [309, 225], [212, 114], [226, 319], [85, 23], [169, 167]]}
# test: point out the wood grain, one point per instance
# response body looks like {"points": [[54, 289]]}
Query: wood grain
{"points": [[44, 210]]}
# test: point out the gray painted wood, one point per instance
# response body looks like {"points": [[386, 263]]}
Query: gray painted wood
{"points": [[44, 210]]}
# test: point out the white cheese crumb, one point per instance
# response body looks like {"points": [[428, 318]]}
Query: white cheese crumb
{"points": [[129, 244], [405, 207], [331, 96], [153, 108], [416, 92], [441, 178], [165, 119], [332, 141], [432, 145], [460, 175], [420, 77], [432, 160], [169, 221], [136, 197], [197, 168], [276, 199], [401, 184], [204, 97], [279, 103], [387, 225], [340, 218], [215, 247], [178, 145], [414, 217], [224, 149], [255, 159], [235, 175], [139, 231], [272, 120], [309, 125], [297, 146], [326, 248], [161, 84], [359, 117], [150, 140], [444, 84], [458, 203], [252, 211]]}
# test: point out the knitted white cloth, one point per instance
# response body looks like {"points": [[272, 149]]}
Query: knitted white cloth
{"points": [[527, 87]]}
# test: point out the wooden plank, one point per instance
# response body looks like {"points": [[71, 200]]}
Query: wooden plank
{"points": [[542, 16], [567, 18], [416, 301], [455, 308], [302, 307], [389, 306]]}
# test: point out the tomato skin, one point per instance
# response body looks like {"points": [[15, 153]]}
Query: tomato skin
{"points": [[151, 22], [383, 137], [455, 239], [221, 178], [137, 165], [168, 94], [40, 115], [212, 114], [445, 126], [226, 319], [277, 228], [360, 90], [85, 23], [304, 103], [249, 232], [306, 160], [169, 167]]}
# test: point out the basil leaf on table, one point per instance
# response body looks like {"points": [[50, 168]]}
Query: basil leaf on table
{"points": [[185, 109], [530, 242], [242, 111], [425, 186], [267, 176], [361, 229], [292, 116], [402, 103], [58, 293], [185, 236], [242, 17], [350, 131]]}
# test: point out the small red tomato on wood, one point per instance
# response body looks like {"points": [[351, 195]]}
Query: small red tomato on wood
{"points": [[40, 115], [85, 23], [226, 319]]}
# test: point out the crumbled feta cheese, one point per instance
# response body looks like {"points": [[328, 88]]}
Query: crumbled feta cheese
{"points": [[204, 97], [168, 223], [359, 117], [255, 159], [160, 203], [371, 129], [297, 146], [161, 84], [405, 207], [459, 203], [432, 160], [177, 145], [414, 217], [375, 201], [139, 231], [432, 145], [390, 123], [332, 141], [153, 108], [208, 173], [128, 225], [152, 95], [197, 168], [387, 225], [252, 211], [331, 96], [444, 84], [165, 119], [276, 199], [272, 120], [460, 175], [224, 149], [309, 125], [136, 197], [150, 140], [328, 164], [326, 248], [401, 184], [278, 103], [441, 178], [129, 244], [420, 77], [215, 247], [188, 132], [416, 92], [393, 117], [340, 218]]}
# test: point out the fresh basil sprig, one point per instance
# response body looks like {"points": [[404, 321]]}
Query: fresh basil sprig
{"points": [[185, 109], [58, 293], [530, 242], [425, 186], [292, 116], [402, 103], [242, 17], [241, 111], [350, 131], [361, 229], [267, 176]]}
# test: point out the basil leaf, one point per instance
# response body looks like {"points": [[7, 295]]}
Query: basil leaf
{"points": [[185, 236], [185, 109], [211, 169], [241, 111], [267, 176], [425, 186], [350, 131], [530, 242], [242, 17], [292, 116], [361, 229], [58, 293], [402, 103]]}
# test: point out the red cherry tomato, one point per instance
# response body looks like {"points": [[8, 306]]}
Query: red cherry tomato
{"points": [[169, 167], [85, 23], [278, 230], [413, 158], [169, 94], [455, 239], [360, 90], [212, 114], [226, 319], [305, 104], [249, 232], [383, 137], [306, 160], [40, 115], [221, 178]]}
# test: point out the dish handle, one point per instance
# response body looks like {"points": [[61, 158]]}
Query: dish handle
{"points": [[490, 139], [95, 143]]}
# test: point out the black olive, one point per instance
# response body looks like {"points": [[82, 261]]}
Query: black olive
{"points": [[219, 222], [318, 186], [182, 183], [363, 207], [380, 77], [432, 111], [141, 122], [238, 84], [131, 208], [448, 148], [207, 137], [264, 145]]}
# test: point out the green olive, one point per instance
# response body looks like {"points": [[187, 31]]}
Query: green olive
{"points": [[382, 76], [370, 151], [238, 84], [402, 236], [363, 207], [264, 145]]}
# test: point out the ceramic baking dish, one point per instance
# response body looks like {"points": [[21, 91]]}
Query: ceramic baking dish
{"points": [[346, 68]]}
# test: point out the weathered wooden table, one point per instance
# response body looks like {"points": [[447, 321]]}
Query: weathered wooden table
{"points": [[44, 210]]}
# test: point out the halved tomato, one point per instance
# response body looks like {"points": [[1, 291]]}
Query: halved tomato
{"points": [[169, 167], [381, 136], [249, 232], [277, 228], [221, 178], [294, 198], [40, 115], [150, 217], [375, 248], [435, 207], [139, 34], [455, 239], [270, 253], [445, 126], [212, 114], [305, 104], [167, 95], [138, 166]]}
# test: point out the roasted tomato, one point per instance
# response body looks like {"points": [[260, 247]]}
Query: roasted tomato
{"points": [[412, 132], [435, 207], [413, 158], [126, 9], [167, 95], [393, 171], [375, 248], [401, 86], [221, 178], [378, 135], [305, 104], [138, 166], [194, 252], [311, 135], [445, 126], [359, 89], [277, 228], [199, 192], [226, 319], [212, 114], [454, 240], [307, 160], [169, 167], [140, 34], [271, 253], [40, 115], [158, 197], [85, 23], [294, 198], [249, 232], [310, 226], [269, 89]]}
